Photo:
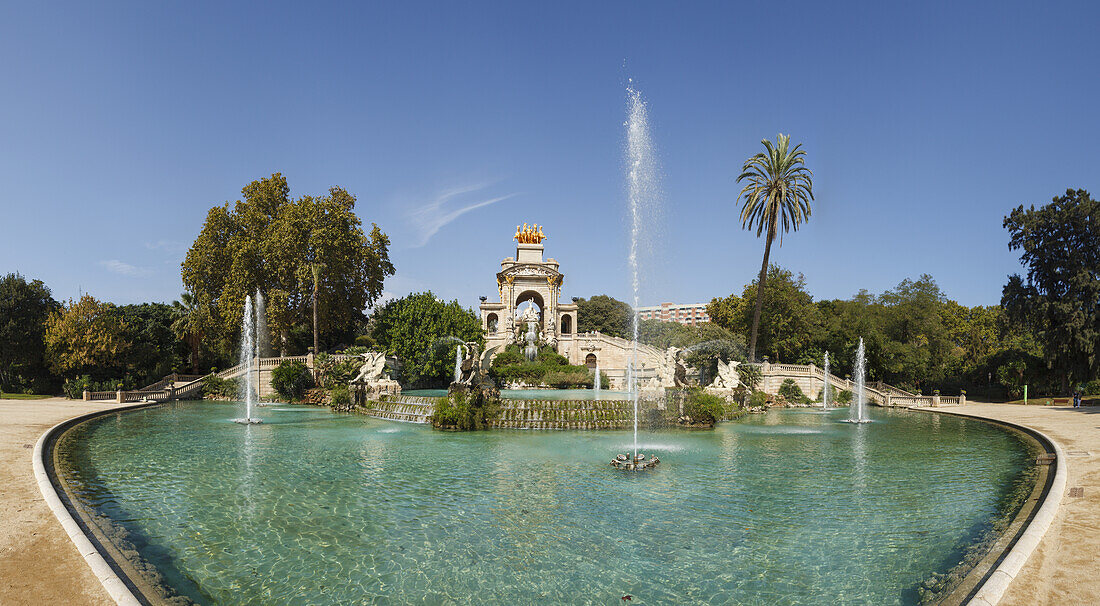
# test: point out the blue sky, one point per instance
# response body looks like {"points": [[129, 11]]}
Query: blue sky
{"points": [[924, 124]]}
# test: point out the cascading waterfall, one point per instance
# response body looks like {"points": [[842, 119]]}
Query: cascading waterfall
{"points": [[825, 387], [247, 359], [641, 166], [857, 413], [263, 337]]}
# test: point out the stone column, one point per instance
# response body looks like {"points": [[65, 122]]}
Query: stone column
{"points": [[87, 395], [118, 396]]}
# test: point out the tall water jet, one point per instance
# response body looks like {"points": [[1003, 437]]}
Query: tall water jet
{"points": [[641, 168], [596, 379], [856, 410], [458, 363], [248, 356], [825, 387], [263, 337]]}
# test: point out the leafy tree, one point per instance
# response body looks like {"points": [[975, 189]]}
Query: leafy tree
{"points": [[24, 308], [790, 324], [606, 314], [270, 241], [189, 317], [421, 330], [673, 334], [154, 349], [1058, 297], [776, 197], [86, 337]]}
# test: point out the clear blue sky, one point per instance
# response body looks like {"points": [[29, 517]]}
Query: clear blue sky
{"points": [[924, 123]]}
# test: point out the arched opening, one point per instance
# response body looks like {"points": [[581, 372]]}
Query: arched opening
{"points": [[491, 323], [535, 299], [566, 324], [590, 361]]}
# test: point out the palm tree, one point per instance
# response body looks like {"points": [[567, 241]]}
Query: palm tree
{"points": [[187, 325], [777, 196]]}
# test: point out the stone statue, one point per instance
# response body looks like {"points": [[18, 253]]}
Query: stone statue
{"points": [[374, 364], [530, 315], [728, 377]]}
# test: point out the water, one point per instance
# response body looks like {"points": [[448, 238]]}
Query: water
{"points": [[314, 507], [458, 363], [858, 413], [247, 359], [596, 380], [825, 387], [641, 168], [530, 351], [263, 337]]}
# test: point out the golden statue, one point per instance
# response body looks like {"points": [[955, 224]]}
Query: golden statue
{"points": [[529, 234]]}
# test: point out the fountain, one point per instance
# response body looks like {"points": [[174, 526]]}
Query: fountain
{"points": [[263, 337], [641, 167], [858, 415], [248, 357], [596, 380], [458, 363], [530, 350], [825, 387]]}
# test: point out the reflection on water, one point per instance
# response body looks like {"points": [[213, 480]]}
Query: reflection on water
{"points": [[321, 508]]}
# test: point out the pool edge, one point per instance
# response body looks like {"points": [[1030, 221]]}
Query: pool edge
{"points": [[996, 583], [115, 585]]}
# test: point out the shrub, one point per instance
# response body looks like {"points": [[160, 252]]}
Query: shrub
{"points": [[222, 388], [291, 379], [844, 396], [750, 375], [331, 372], [703, 407], [74, 388], [1092, 388], [792, 392], [758, 398], [466, 411], [340, 398]]}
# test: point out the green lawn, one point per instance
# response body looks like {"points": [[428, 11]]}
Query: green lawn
{"points": [[22, 396]]}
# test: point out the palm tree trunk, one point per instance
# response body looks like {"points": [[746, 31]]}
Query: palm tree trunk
{"points": [[760, 296]]}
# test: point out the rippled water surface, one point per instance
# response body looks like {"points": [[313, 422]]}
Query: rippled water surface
{"points": [[792, 507]]}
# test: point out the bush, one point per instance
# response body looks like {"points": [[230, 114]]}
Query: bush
{"points": [[844, 396], [466, 411], [548, 368], [758, 398], [703, 407], [222, 388], [291, 379], [331, 372], [340, 398], [792, 392], [74, 388], [1092, 388]]}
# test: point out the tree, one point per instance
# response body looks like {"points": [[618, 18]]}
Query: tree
{"points": [[777, 196], [154, 349], [423, 332], [86, 337], [24, 308], [189, 316], [791, 324], [270, 241], [1058, 298], [606, 314]]}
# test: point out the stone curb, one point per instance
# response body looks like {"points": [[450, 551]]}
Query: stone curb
{"points": [[114, 585], [994, 587]]}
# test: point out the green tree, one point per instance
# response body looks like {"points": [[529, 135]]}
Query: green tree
{"points": [[189, 316], [24, 308], [790, 322], [606, 314], [775, 200], [421, 330], [1058, 296], [86, 337], [154, 349], [270, 241]]}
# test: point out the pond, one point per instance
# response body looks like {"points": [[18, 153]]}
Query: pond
{"points": [[792, 506]]}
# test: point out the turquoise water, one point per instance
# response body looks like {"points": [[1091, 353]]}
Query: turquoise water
{"points": [[537, 394], [789, 507]]}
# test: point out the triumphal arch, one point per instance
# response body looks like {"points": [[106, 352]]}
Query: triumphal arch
{"points": [[528, 277]]}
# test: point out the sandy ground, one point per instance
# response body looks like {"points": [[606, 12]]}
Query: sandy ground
{"points": [[38, 563], [1062, 570]]}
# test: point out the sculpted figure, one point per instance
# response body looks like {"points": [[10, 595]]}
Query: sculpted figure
{"points": [[727, 375], [374, 364]]}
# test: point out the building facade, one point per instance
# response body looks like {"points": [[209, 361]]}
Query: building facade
{"points": [[684, 313]]}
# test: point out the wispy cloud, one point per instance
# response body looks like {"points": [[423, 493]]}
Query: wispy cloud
{"points": [[125, 269], [432, 216]]}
